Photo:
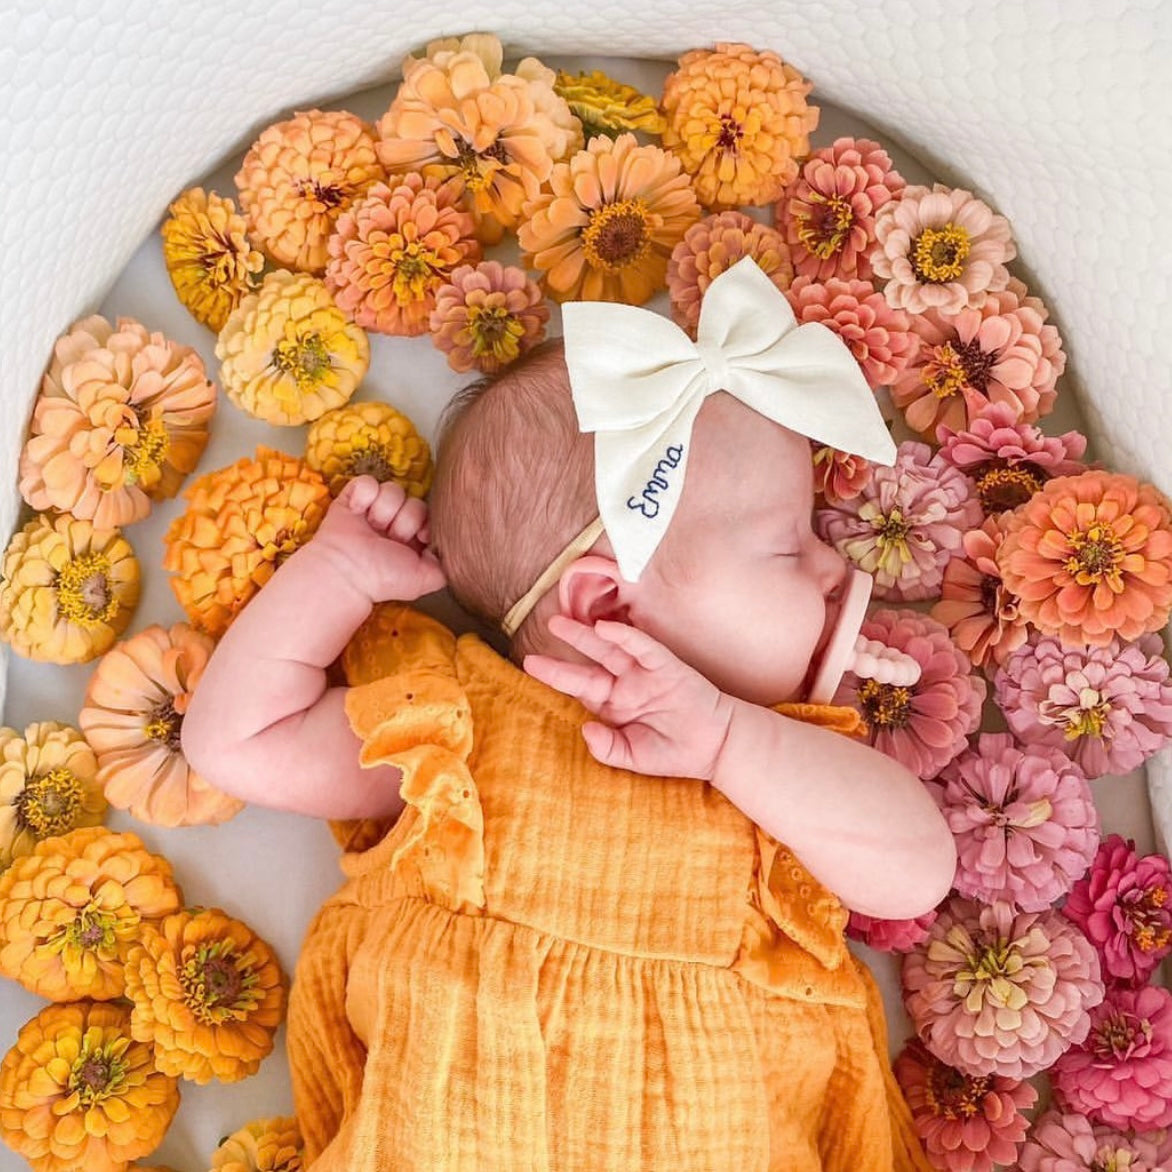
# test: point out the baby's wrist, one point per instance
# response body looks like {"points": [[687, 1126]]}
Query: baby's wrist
{"points": [[332, 570], [725, 716]]}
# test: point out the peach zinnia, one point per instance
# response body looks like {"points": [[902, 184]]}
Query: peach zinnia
{"points": [[608, 223], [1090, 557]]}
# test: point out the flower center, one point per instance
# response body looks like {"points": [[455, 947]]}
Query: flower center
{"points": [[329, 195], [992, 969], [48, 804], [1119, 1034], [83, 591], [885, 705], [99, 1071], [495, 331], [165, 724], [939, 253], [217, 984], [957, 366], [306, 359], [730, 134], [1112, 1159], [955, 1095], [92, 930], [1002, 487], [1087, 718], [990, 587], [143, 458], [479, 167], [371, 461], [1148, 918], [617, 235], [892, 529], [823, 230], [1095, 554]]}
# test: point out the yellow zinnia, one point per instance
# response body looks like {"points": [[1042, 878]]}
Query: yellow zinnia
{"points": [[264, 1145], [369, 439], [606, 106]]}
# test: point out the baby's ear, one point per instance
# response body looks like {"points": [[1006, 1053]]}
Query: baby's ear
{"points": [[591, 588]]}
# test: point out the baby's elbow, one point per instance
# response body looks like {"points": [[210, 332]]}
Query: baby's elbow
{"points": [[930, 880], [206, 755]]}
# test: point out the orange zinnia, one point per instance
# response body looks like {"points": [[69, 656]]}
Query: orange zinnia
{"points": [[1090, 557]]}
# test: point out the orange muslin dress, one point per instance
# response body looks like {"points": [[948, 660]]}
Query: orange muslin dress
{"points": [[549, 965]]}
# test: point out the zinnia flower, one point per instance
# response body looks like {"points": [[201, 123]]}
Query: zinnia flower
{"points": [[264, 1145], [394, 249], [1002, 353], [739, 121], [606, 224], [77, 1092], [208, 256], [1122, 1073], [121, 419], [1090, 558], [606, 106], [208, 994], [1009, 460], [1072, 1143], [487, 316], [369, 439], [288, 353], [1024, 824], [839, 476], [905, 524], [299, 177], [995, 991], [981, 615], [711, 247], [71, 909], [1125, 908], [1109, 708], [133, 714], [879, 337], [940, 249], [966, 1123], [48, 785], [925, 724], [67, 590], [828, 213], [889, 935]]}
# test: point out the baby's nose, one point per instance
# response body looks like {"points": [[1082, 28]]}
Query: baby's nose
{"points": [[831, 568]]}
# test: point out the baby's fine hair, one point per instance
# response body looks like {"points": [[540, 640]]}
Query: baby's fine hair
{"points": [[514, 482]]}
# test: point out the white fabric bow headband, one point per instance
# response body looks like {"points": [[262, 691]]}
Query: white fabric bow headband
{"points": [[639, 381]]}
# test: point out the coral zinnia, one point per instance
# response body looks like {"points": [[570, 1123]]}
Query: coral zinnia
{"points": [[264, 1145], [208, 256], [606, 226], [1024, 824], [133, 713], [1090, 558], [208, 994], [905, 524], [395, 248], [71, 909], [1122, 1073], [1072, 1143], [606, 106], [121, 419], [288, 353], [967, 1123], [940, 249], [48, 786], [299, 176], [925, 724], [77, 1092], [739, 121], [241, 523], [828, 213], [369, 439], [994, 991], [1109, 708], [1125, 907], [67, 590], [487, 316], [839, 476], [889, 935]]}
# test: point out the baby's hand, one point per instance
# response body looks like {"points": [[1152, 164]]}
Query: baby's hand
{"points": [[663, 717], [377, 535]]}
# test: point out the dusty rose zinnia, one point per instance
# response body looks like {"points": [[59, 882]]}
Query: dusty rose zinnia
{"points": [[889, 935], [923, 725], [1024, 824], [1125, 907], [828, 213], [966, 1123], [1009, 460], [1109, 708], [905, 524], [1072, 1143], [879, 337], [1122, 1073], [839, 476], [940, 249], [994, 991]]}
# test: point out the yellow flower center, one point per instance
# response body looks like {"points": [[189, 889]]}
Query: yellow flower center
{"points": [[495, 331], [218, 985], [374, 460], [617, 235], [1147, 920], [99, 1071], [939, 253], [885, 705], [1095, 555], [824, 229], [955, 1095], [479, 168], [164, 725], [305, 358], [84, 596], [143, 457], [1001, 488], [1087, 718], [1111, 1159], [991, 974], [49, 803], [892, 529], [956, 366], [91, 930]]}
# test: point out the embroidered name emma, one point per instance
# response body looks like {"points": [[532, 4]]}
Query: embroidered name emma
{"points": [[646, 502]]}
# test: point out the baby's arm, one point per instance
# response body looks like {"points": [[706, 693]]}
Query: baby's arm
{"points": [[262, 724]]}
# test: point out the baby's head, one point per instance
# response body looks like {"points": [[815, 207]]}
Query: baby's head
{"points": [[740, 586]]}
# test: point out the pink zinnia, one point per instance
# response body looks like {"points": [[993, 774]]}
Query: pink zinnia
{"points": [[905, 524], [922, 726], [890, 935], [1109, 708], [966, 1123], [880, 338], [828, 213], [1122, 1073], [1010, 460], [839, 476], [1125, 907], [994, 991], [1072, 1143], [1025, 825]]}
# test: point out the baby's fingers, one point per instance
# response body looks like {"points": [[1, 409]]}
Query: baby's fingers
{"points": [[608, 745], [647, 652], [585, 682], [386, 507], [584, 639]]}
